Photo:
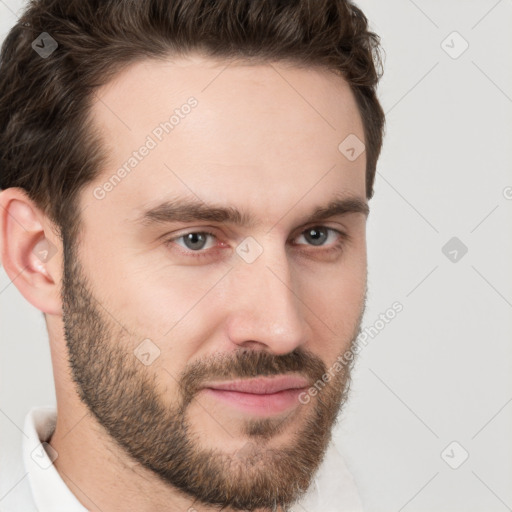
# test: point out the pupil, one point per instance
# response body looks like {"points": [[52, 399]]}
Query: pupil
{"points": [[318, 237], [194, 238]]}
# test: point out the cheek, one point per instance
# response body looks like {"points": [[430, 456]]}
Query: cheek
{"points": [[335, 299], [156, 296], [177, 308]]}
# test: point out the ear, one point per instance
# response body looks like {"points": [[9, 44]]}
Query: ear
{"points": [[30, 250]]}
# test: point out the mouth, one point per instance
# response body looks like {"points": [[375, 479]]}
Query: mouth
{"points": [[261, 396]]}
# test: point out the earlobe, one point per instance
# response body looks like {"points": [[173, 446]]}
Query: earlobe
{"points": [[29, 256]]}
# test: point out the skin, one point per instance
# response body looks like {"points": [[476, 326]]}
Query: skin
{"points": [[263, 138]]}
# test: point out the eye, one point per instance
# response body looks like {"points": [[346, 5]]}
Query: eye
{"points": [[194, 241], [317, 235]]}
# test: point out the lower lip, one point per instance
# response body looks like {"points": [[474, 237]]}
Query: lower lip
{"points": [[272, 403]]}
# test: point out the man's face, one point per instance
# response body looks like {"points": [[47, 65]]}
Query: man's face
{"points": [[156, 327]]}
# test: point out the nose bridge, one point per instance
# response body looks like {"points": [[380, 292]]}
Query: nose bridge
{"points": [[267, 309]]}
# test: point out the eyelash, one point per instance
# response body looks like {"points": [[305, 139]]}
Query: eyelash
{"points": [[343, 238]]}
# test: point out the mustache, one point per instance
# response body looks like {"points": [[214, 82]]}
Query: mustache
{"points": [[245, 363]]}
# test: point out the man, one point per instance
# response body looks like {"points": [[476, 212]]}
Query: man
{"points": [[185, 190]]}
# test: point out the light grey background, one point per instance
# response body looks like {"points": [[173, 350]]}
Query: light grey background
{"points": [[441, 370]]}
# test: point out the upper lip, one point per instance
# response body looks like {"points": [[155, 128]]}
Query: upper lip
{"points": [[260, 385]]}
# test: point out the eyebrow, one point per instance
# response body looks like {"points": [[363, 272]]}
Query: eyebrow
{"points": [[193, 210]]}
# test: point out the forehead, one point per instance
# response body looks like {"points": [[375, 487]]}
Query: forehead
{"points": [[259, 136]]}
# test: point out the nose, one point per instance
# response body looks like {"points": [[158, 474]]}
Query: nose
{"points": [[265, 309]]}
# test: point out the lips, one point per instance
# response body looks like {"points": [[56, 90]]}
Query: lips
{"points": [[260, 385]]}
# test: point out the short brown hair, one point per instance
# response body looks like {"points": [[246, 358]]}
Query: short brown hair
{"points": [[48, 143]]}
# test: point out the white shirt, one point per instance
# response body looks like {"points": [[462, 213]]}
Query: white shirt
{"points": [[31, 483]]}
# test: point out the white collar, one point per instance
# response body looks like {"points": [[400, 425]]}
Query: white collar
{"points": [[49, 491], [332, 490]]}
